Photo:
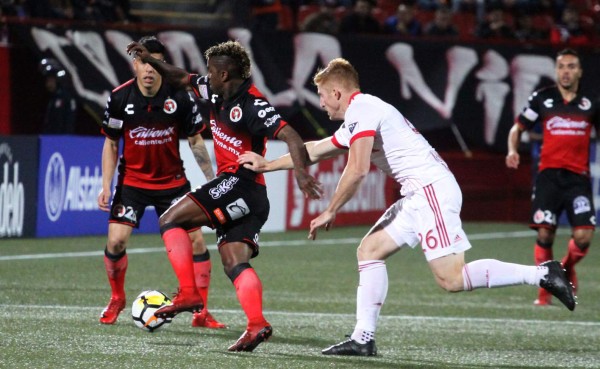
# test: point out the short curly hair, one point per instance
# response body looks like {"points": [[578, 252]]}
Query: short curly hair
{"points": [[237, 57]]}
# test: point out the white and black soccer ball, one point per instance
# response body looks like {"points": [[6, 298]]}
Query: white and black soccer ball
{"points": [[144, 306]]}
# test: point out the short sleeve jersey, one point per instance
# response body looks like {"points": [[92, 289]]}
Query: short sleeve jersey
{"points": [[566, 128], [399, 150], [242, 123], [151, 129]]}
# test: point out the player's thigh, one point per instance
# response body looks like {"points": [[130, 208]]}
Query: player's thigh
{"points": [[376, 245], [186, 212]]}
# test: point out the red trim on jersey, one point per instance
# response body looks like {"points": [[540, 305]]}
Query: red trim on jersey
{"points": [[353, 96], [336, 143], [281, 125], [370, 133], [124, 85]]}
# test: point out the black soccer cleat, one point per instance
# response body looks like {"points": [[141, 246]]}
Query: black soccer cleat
{"points": [[352, 348], [557, 284]]}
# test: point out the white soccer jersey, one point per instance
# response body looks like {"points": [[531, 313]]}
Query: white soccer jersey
{"points": [[399, 150]]}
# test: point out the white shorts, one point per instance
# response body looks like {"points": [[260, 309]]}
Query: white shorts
{"points": [[430, 216]]}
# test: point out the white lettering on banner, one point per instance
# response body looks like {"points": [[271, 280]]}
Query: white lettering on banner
{"points": [[12, 196], [82, 189], [77, 192], [370, 195]]}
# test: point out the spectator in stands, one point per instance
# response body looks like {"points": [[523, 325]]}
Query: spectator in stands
{"points": [[494, 26], [441, 25], [569, 30], [526, 31], [404, 22], [102, 10], [265, 15], [322, 21], [360, 19], [61, 110]]}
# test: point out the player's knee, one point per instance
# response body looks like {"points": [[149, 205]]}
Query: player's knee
{"points": [[116, 245], [450, 283]]}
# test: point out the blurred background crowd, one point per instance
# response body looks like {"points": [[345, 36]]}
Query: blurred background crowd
{"points": [[574, 22]]}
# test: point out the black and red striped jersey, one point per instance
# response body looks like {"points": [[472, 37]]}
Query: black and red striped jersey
{"points": [[567, 128], [244, 122], [151, 128]]}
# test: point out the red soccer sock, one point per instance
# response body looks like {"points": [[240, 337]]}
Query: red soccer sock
{"points": [[179, 250], [542, 254], [202, 271], [574, 254], [249, 293], [115, 270]]}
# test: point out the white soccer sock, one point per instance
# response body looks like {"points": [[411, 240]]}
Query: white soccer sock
{"points": [[494, 273], [370, 296]]}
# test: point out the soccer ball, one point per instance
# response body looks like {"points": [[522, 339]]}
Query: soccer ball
{"points": [[144, 306]]}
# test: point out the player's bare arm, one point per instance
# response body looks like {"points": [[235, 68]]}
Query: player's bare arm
{"points": [[317, 151], [307, 183], [171, 74], [201, 155], [357, 168], [110, 154], [514, 137]]}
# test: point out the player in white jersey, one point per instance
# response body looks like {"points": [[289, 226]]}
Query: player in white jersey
{"points": [[427, 213]]}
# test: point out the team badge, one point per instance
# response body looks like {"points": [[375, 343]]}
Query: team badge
{"points": [[538, 216], [585, 104], [119, 211], [235, 114], [170, 106]]}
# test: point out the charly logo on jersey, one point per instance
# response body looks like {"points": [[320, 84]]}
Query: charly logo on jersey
{"points": [[235, 114], [585, 104], [12, 195], [238, 209], [129, 109], [223, 187], [73, 190], [548, 103], [170, 106]]}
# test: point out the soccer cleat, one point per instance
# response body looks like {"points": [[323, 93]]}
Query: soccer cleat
{"points": [[182, 301], [205, 319], [250, 339], [352, 348], [572, 277], [111, 312], [556, 283]]}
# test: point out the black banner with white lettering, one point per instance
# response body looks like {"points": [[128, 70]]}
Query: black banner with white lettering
{"points": [[454, 93], [18, 186]]}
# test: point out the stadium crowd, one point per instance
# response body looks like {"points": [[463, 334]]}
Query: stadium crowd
{"points": [[572, 22]]}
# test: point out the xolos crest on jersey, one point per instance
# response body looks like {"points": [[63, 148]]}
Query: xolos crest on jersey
{"points": [[235, 114], [170, 106]]}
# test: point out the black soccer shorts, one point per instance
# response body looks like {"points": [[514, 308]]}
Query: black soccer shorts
{"points": [[237, 207], [129, 203], [558, 190]]}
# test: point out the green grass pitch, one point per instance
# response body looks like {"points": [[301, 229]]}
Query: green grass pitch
{"points": [[52, 292]]}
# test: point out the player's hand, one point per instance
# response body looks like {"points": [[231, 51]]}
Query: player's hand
{"points": [[104, 200], [325, 219], [308, 184], [136, 49], [513, 160], [253, 161]]}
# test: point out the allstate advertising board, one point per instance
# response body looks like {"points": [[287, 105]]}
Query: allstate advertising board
{"points": [[69, 181]]}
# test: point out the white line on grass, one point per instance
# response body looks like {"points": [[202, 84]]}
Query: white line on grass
{"points": [[339, 241], [338, 315]]}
